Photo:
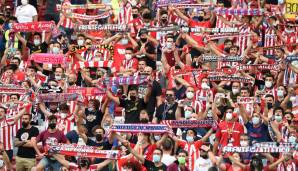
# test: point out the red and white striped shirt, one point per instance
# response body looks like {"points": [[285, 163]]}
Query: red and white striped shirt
{"points": [[203, 95], [243, 40], [193, 150], [66, 125], [6, 132], [290, 38], [67, 22], [125, 14], [270, 39]]}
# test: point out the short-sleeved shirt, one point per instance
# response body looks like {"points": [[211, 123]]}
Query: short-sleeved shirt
{"points": [[259, 134], [132, 109], [192, 150], [223, 136], [92, 119], [42, 48], [151, 167], [24, 135], [48, 138], [25, 13]]}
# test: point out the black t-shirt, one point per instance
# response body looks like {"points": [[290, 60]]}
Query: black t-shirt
{"points": [[151, 167], [24, 135], [132, 109], [180, 93], [73, 137], [42, 48], [92, 119], [152, 102], [166, 112], [105, 145]]}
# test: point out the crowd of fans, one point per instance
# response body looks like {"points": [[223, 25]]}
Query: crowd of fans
{"points": [[178, 85]]}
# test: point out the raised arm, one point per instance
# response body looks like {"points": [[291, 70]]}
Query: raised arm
{"points": [[179, 13], [113, 98]]}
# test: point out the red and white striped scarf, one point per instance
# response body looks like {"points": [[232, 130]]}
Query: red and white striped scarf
{"points": [[125, 14], [270, 40], [288, 167], [243, 40], [96, 64]]}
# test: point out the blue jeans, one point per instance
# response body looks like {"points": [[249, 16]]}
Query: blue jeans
{"points": [[50, 164]]}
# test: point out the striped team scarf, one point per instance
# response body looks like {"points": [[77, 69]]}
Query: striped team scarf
{"points": [[230, 78], [209, 30], [227, 71], [82, 150], [83, 6], [89, 17], [253, 149], [258, 67], [291, 58], [124, 80], [91, 64], [236, 35], [245, 100], [103, 27], [197, 6], [239, 11], [165, 3], [57, 97], [86, 91], [189, 123], [157, 29], [140, 128], [12, 89], [223, 59]]}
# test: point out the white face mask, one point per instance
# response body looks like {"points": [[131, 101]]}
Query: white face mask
{"points": [[229, 116], [127, 56], [80, 42], [133, 3], [235, 90], [255, 120], [268, 84], [243, 143], [292, 98], [1, 163], [187, 114], [169, 45], [124, 41], [63, 115], [189, 95], [278, 118], [36, 42], [205, 86], [58, 77], [292, 139], [24, 2], [280, 93], [55, 50], [209, 114]]}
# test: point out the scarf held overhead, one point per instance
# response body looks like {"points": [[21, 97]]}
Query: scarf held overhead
{"points": [[33, 26], [57, 97], [103, 27], [47, 58], [81, 150], [188, 123], [124, 80], [137, 128]]}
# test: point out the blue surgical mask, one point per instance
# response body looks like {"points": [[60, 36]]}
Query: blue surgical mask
{"points": [[56, 50], [189, 139], [156, 158]]}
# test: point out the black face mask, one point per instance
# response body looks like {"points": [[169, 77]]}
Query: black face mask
{"points": [[143, 40], [198, 18], [98, 137], [135, 16], [144, 120], [25, 124], [133, 98], [164, 20], [177, 83], [204, 156], [71, 83], [227, 49], [146, 16], [289, 121], [52, 125], [269, 105], [195, 65], [169, 98]]}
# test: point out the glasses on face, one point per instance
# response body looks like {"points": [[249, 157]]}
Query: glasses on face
{"points": [[169, 95]]}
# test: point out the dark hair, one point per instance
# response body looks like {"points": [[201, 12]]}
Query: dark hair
{"points": [[159, 150], [162, 12], [97, 127], [182, 151], [37, 34], [60, 67], [1, 107], [30, 116], [133, 165], [95, 102], [129, 48], [228, 40], [278, 108], [52, 117], [18, 96], [167, 144], [229, 107], [32, 67], [15, 58], [13, 18], [133, 88], [80, 35], [63, 106], [269, 75], [259, 166]]}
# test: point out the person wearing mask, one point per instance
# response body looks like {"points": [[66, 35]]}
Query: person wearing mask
{"points": [[130, 64], [5, 164], [167, 148], [206, 159], [37, 46], [229, 131], [100, 142], [166, 111], [180, 163], [192, 146], [153, 165], [26, 12], [51, 136], [25, 158], [93, 114]]}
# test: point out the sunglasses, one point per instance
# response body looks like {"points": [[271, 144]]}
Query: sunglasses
{"points": [[169, 95]]}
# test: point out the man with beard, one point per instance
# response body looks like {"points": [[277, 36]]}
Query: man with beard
{"points": [[25, 159]]}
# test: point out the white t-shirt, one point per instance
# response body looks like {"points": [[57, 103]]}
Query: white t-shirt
{"points": [[167, 159], [202, 164], [25, 13]]}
